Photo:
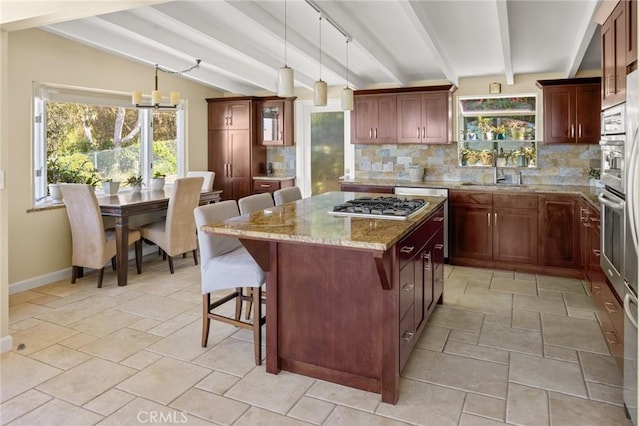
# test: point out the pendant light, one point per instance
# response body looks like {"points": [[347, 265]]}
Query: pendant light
{"points": [[156, 95], [285, 74], [347, 93], [320, 87]]}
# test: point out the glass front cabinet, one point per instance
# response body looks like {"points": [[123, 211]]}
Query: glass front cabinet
{"points": [[497, 131]]}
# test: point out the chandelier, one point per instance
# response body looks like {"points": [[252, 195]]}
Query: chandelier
{"points": [[156, 95]]}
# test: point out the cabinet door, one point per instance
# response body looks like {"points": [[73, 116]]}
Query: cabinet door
{"points": [[471, 232], [613, 57], [218, 115], [363, 118], [385, 129], [409, 118], [631, 28], [588, 113], [559, 228], [515, 235], [239, 115], [435, 121], [559, 114], [218, 160], [271, 122], [239, 154]]}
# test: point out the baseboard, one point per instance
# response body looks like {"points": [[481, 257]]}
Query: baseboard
{"points": [[6, 344]]}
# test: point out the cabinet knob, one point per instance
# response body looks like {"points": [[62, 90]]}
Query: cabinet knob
{"points": [[407, 336]]}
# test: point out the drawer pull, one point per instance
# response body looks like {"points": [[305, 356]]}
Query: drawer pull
{"points": [[406, 249], [439, 246], [610, 307], [611, 337], [407, 336], [596, 252], [264, 185], [438, 219], [408, 287]]}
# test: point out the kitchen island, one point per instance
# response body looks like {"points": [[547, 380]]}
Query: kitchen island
{"points": [[347, 297]]}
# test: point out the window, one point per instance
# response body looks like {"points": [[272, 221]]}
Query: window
{"points": [[82, 135]]}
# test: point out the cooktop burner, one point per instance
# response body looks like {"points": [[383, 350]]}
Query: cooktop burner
{"points": [[380, 208]]}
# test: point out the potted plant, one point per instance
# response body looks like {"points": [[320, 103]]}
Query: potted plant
{"points": [[66, 172], [110, 186], [501, 132], [135, 182], [484, 124], [517, 130], [157, 181], [486, 157]]}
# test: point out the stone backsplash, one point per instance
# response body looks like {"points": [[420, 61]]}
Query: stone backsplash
{"points": [[283, 160], [556, 165]]}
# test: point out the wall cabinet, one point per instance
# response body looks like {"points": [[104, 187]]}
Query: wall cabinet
{"points": [[559, 228], [275, 118], [424, 118], [374, 119], [631, 30], [571, 110], [613, 57]]}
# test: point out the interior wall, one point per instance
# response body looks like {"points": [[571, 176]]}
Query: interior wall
{"points": [[39, 241], [5, 339]]}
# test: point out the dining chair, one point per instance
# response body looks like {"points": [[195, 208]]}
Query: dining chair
{"points": [[287, 195], [255, 202], [209, 177], [176, 234], [226, 264], [92, 245]]}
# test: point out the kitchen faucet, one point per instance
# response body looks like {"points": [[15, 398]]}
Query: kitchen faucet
{"points": [[497, 177]]}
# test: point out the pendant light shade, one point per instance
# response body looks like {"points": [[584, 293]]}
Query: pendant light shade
{"points": [[285, 82], [320, 87], [347, 99], [156, 95]]}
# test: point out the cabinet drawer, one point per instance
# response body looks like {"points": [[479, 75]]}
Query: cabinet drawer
{"points": [[516, 201], [410, 245], [266, 185], [407, 336], [407, 288], [470, 197]]}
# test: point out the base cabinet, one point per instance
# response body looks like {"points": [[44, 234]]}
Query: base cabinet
{"points": [[559, 231], [271, 185]]}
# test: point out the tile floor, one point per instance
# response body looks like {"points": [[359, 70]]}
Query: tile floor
{"points": [[504, 348]]}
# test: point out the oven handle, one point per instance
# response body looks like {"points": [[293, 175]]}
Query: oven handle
{"points": [[631, 203], [627, 308], [615, 205]]}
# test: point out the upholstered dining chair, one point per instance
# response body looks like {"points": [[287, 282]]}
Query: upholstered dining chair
{"points": [[252, 203], [287, 195], [209, 177], [226, 264], [92, 246], [177, 233]]}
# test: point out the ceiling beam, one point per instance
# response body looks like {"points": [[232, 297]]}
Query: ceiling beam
{"points": [[505, 39], [584, 34], [429, 37]]}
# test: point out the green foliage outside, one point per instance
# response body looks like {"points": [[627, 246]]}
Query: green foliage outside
{"points": [[327, 145]]}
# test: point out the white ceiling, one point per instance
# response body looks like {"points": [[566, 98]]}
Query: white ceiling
{"points": [[395, 42]]}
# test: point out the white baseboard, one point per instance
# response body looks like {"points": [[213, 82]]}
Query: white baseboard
{"points": [[6, 344]]}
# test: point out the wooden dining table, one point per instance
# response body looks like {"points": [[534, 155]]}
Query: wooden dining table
{"points": [[126, 204]]}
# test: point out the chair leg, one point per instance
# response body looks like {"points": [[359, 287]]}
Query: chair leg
{"points": [[206, 298], [257, 334], [195, 257], [184, 255], [170, 263], [250, 293], [113, 263], [74, 274], [138, 247], [238, 304], [100, 276]]}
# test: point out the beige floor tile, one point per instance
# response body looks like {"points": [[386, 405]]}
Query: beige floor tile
{"points": [[22, 404], [527, 406], [231, 356], [154, 306], [456, 318], [81, 384], [522, 276], [187, 296], [109, 402], [22, 297], [19, 374], [162, 286], [210, 406], [498, 319], [56, 412], [78, 310], [567, 410], [344, 416], [526, 319], [217, 382], [445, 405], [56, 302], [513, 286], [463, 336], [545, 373], [279, 392], [164, 380], [60, 356], [551, 294], [484, 406], [581, 313], [343, 395], [472, 420], [185, 344], [490, 302], [475, 274], [25, 310], [23, 325], [120, 345], [105, 322], [433, 337], [477, 352], [562, 354], [540, 304], [600, 369], [458, 372], [176, 323], [574, 333], [311, 410], [141, 360], [258, 417], [605, 393], [40, 336], [565, 285], [145, 324], [78, 340], [503, 274], [511, 339], [580, 301], [144, 412]]}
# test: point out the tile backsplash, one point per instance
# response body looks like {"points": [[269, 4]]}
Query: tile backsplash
{"points": [[283, 160], [557, 164]]}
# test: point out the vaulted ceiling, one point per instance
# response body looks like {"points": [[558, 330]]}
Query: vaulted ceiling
{"points": [[393, 42]]}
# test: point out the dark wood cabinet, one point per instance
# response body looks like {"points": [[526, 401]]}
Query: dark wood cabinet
{"points": [[571, 110], [271, 185], [424, 117], [470, 234], [374, 119], [613, 57], [559, 229], [631, 29], [275, 121], [515, 228], [233, 155]]}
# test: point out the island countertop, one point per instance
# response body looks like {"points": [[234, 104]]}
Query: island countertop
{"points": [[308, 221]]}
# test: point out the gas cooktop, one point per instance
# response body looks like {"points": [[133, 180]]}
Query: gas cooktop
{"points": [[380, 208]]}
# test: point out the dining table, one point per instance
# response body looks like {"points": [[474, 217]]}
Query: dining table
{"points": [[126, 204]]}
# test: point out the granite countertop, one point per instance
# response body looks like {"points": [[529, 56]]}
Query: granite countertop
{"points": [[590, 193], [308, 221], [271, 177]]}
